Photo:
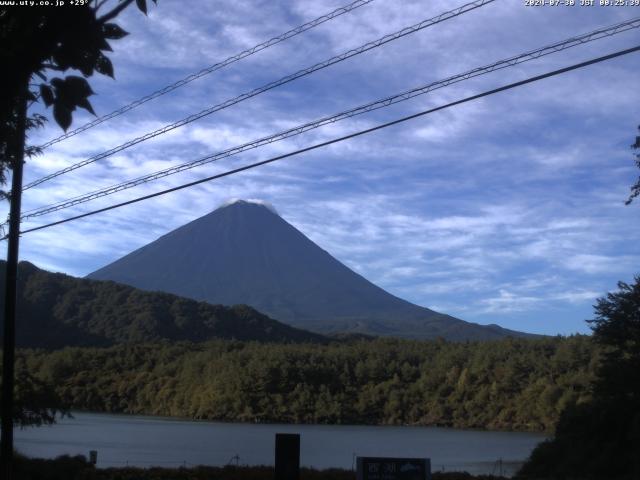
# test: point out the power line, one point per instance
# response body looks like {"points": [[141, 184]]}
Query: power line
{"points": [[343, 138], [216, 66], [289, 78], [378, 104]]}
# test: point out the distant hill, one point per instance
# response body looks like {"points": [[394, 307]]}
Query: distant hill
{"points": [[246, 253], [56, 310]]}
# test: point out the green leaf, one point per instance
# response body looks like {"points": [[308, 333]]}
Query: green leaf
{"points": [[62, 59], [142, 5], [104, 45], [104, 65], [77, 87], [62, 114], [57, 83], [70, 93], [84, 103], [113, 31], [86, 66], [46, 92]]}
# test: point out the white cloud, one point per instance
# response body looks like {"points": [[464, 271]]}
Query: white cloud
{"points": [[595, 264], [493, 210], [507, 302]]}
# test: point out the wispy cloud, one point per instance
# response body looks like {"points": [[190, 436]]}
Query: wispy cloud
{"points": [[507, 210]]}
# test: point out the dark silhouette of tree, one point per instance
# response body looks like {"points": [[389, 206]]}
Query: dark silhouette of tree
{"points": [[36, 401], [39, 43], [601, 438], [617, 328], [635, 189]]}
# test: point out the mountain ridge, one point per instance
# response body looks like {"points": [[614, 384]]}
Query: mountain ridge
{"points": [[56, 310], [244, 252]]}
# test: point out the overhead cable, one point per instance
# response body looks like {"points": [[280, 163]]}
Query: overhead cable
{"points": [[284, 80], [340, 139], [210, 69], [375, 105]]}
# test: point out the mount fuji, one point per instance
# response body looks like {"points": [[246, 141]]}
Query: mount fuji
{"points": [[245, 253]]}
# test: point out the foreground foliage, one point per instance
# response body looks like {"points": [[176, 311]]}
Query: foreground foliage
{"points": [[35, 402], [38, 42], [601, 438], [58, 310], [507, 384], [77, 468]]}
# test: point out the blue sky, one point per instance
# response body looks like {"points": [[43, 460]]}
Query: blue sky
{"points": [[507, 210]]}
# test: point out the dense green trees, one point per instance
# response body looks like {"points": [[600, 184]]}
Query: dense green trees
{"points": [[36, 401], [508, 384], [601, 438], [57, 310], [617, 329]]}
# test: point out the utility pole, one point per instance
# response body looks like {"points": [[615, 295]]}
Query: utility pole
{"points": [[10, 299]]}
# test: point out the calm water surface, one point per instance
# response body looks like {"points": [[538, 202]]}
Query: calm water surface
{"points": [[145, 441]]}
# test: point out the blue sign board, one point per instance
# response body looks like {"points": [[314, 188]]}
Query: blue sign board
{"points": [[383, 468]]}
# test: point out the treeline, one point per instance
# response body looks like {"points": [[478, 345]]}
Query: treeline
{"points": [[600, 438], [56, 310], [512, 384]]}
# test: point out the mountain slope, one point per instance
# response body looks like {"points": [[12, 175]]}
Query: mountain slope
{"points": [[246, 253], [56, 310]]}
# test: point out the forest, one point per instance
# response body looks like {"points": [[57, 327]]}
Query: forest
{"points": [[511, 384], [58, 310]]}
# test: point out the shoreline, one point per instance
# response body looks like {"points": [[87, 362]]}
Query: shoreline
{"points": [[169, 418], [78, 468], [142, 441]]}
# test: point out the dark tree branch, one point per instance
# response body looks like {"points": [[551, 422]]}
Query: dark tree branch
{"points": [[51, 66], [115, 12]]}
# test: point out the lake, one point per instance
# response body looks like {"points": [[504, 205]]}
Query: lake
{"points": [[145, 441]]}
